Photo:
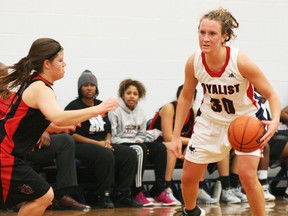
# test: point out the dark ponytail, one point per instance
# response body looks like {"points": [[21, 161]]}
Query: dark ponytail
{"points": [[42, 49]]}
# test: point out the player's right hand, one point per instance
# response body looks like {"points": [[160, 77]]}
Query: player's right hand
{"points": [[176, 147]]}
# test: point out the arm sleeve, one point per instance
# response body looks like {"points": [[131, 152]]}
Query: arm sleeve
{"points": [[114, 125]]}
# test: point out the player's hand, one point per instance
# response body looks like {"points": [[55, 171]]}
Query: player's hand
{"points": [[108, 105], [44, 141], [176, 147], [62, 129], [272, 127]]}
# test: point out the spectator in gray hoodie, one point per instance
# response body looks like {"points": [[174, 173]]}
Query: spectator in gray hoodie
{"points": [[128, 125]]}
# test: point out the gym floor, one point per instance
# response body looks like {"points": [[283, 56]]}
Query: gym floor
{"points": [[277, 208]]}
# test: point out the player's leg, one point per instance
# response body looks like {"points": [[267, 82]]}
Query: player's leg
{"points": [[191, 175], [263, 173], [37, 206], [27, 190], [247, 169]]}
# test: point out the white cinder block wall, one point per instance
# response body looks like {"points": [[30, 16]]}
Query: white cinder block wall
{"points": [[146, 40]]}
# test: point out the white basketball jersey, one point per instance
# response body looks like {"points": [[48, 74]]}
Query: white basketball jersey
{"points": [[226, 94]]}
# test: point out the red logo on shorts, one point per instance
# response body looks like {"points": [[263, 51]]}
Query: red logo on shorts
{"points": [[26, 189]]}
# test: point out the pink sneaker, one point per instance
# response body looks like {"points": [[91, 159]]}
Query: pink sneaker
{"points": [[164, 199], [142, 199]]}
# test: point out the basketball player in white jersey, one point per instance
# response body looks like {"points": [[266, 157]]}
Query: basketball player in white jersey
{"points": [[228, 78]]}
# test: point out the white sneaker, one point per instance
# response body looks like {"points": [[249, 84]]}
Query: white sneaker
{"points": [[164, 199], [238, 193], [285, 197], [150, 199], [202, 212], [205, 198], [235, 209], [228, 196], [171, 196], [267, 195]]}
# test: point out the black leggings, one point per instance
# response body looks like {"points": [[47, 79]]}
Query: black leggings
{"points": [[156, 153], [111, 169]]}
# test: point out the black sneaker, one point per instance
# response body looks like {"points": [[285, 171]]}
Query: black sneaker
{"points": [[127, 202], [195, 212], [104, 202]]}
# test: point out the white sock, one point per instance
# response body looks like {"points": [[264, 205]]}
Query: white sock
{"points": [[262, 174], [286, 190]]}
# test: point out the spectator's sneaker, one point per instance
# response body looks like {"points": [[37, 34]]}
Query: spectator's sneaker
{"points": [[142, 199], [68, 203], [285, 197], [267, 195], [238, 193], [205, 198], [235, 209], [196, 212], [171, 196], [127, 202], [217, 190], [269, 206], [104, 201], [228, 196], [164, 199], [155, 204]]}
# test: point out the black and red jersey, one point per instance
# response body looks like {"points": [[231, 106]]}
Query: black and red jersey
{"points": [[22, 127], [187, 127]]}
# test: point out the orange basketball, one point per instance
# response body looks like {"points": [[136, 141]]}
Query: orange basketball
{"points": [[245, 132]]}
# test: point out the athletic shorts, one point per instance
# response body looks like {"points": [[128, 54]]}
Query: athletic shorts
{"points": [[209, 143], [19, 183]]}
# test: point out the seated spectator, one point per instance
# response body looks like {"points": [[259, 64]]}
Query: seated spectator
{"points": [[112, 165], [59, 147], [279, 144], [129, 128], [283, 127], [228, 193], [163, 121]]}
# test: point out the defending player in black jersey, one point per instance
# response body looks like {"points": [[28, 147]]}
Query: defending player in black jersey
{"points": [[33, 110]]}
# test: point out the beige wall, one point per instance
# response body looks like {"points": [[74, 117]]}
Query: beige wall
{"points": [[147, 40]]}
